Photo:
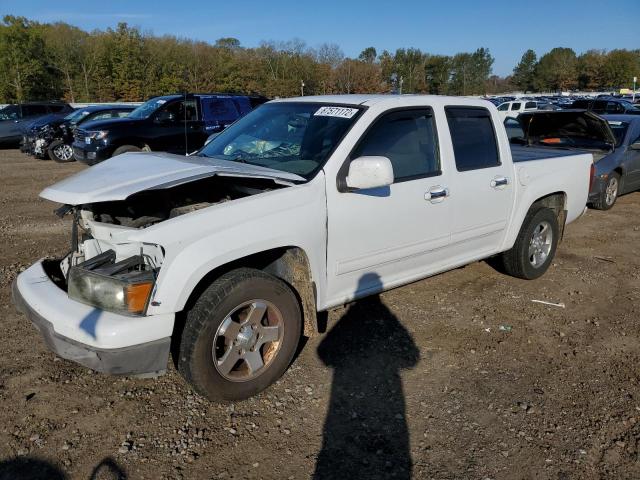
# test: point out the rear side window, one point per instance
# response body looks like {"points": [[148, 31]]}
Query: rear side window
{"points": [[101, 116], [121, 113], [531, 105], [407, 138], [223, 110], [473, 138], [31, 110], [515, 106]]}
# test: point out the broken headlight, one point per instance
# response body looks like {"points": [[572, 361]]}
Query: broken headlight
{"points": [[124, 287]]}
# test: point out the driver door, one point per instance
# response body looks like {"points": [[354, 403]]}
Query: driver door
{"points": [[171, 126], [398, 232]]}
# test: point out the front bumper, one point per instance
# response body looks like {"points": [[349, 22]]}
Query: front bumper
{"points": [[103, 341], [598, 187], [92, 153]]}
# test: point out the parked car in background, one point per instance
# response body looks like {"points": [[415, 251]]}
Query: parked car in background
{"points": [[607, 106], [303, 205], [52, 138], [172, 123], [516, 107], [15, 118], [614, 141]]}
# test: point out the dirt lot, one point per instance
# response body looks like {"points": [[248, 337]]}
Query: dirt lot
{"points": [[421, 382]]}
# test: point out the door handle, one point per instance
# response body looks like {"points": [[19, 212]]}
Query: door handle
{"points": [[498, 182], [436, 194]]}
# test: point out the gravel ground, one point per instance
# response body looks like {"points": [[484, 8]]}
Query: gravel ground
{"points": [[460, 376]]}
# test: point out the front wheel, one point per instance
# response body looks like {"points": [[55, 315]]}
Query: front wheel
{"points": [[609, 195], [60, 152], [240, 335], [535, 246], [124, 149]]}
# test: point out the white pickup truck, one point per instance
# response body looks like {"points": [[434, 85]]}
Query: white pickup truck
{"points": [[225, 257]]}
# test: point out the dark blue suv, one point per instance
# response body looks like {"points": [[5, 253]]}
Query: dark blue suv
{"points": [[172, 123]]}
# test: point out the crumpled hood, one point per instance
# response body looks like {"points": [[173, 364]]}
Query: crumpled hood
{"points": [[129, 173]]}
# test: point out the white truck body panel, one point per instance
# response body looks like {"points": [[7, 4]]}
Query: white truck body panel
{"points": [[399, 234]]}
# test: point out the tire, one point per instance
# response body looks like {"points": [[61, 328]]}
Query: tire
{"points": [[609, 195], [518, 262], [60, 152], [125, 149], [222, 308]]}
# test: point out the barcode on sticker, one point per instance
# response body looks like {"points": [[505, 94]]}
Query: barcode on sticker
{"points": [[342, 112]]}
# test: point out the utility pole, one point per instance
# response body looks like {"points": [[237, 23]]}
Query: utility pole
{"points": [[635, 79], [401, 82], [302, 88]]}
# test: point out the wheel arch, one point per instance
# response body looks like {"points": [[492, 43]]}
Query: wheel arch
{"points": [[556, 201], [290, 264]]}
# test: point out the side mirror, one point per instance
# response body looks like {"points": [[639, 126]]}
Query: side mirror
{"points": [[635, 146], [369, 172], [164, 117]]}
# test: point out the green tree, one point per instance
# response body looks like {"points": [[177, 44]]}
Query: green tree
{"points": [[24, 74], [590, 70], [368, 55], [619, 68], [557, 70], [437, 74], [524, 72]]}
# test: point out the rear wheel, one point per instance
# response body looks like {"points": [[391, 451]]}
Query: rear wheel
{"points": [[60, 152], [240, 335], [125, 149], [535, 246], [609, 195]]}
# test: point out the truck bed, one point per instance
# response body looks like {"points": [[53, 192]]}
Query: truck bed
{"points": [[523, 153]]}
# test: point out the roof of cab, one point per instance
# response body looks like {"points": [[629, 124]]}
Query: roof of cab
{"points": [[373, 99]]}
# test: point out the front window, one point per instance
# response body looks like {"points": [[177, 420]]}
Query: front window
{"points": [[147, 108], [291, 137]]}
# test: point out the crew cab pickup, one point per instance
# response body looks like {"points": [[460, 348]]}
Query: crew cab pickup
{"points": [[302, 205]]}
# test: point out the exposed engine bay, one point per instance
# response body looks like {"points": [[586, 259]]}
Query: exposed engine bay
{"points": [[148, 207]]}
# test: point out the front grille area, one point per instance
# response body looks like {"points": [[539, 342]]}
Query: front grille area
{"points": [[79, 135]]}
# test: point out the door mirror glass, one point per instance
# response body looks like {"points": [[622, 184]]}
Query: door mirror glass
{"points": [[369, 172]]}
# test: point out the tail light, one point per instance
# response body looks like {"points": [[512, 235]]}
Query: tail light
{"points": [[592, 175]]}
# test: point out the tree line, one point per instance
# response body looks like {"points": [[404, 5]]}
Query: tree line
{"points": [[562, 69], [57, 60]]}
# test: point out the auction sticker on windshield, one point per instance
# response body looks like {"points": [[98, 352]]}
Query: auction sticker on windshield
{"points": [[342, 112]]}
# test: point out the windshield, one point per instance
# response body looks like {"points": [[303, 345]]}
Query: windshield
{"points": [[291, 137], [77, 115], [10, 112], [147, 108], [619, 130]]}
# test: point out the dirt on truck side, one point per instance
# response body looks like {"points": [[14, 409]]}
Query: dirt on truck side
{"points": [[460, 376]]}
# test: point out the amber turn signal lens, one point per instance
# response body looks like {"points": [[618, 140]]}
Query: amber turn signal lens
{"points": [[137, 296]]}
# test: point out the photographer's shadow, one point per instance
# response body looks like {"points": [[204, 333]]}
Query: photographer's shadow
{"points": [[365, 432]]}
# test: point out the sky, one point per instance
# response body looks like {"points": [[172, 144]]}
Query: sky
{"points": [[507, 28]]}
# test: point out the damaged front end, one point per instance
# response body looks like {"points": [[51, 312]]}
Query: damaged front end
{"points": [[106, 269]]}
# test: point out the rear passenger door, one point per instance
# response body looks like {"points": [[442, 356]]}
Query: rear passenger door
{"points": [[482, 190]]}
